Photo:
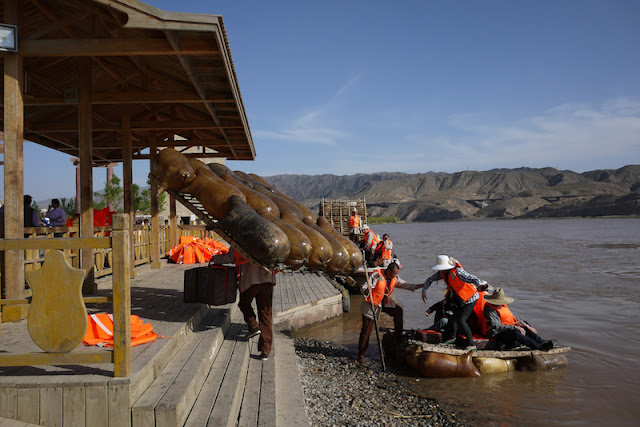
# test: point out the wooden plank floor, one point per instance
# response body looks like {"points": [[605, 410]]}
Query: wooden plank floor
{"points": [[298, 289]]}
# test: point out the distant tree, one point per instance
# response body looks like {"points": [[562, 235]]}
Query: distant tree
{"points": [[140, 203], [36, 208], [69, 206], [142, 200], [113, 195]]}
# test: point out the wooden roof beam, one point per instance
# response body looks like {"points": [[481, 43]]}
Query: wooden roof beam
{"points": [[186, 63], [58, 24], [115, 47], [145, 125]]}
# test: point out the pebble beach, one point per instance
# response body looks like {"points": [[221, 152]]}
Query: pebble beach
{"points": [[340, 392]]}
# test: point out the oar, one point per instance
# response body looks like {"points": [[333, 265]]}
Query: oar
{"points": [[375, 318]]}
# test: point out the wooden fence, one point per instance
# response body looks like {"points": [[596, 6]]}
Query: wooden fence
{"points": [[103, 257], [58, 317]]}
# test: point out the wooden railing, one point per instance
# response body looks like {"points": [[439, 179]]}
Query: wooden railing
{"points": [[103, 259], [57, 298]]}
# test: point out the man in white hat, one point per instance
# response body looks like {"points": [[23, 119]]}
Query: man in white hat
{"points": [[354, 225], [371, 240], [507, 330], [463, 287]]}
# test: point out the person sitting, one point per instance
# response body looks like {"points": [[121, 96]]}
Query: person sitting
{"points": [[507, 330], [443, 311], [464, 292], [383, 252], [370, 242], [383, 282]]}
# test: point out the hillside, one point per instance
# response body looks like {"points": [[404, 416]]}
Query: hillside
{"points": [[498, 193]]}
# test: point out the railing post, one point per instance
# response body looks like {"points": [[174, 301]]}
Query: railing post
{"points": [[121, 242]]}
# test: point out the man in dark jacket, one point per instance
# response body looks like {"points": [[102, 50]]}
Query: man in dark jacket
{"points": [[507, 330]]}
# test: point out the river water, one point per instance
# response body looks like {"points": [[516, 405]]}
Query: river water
{"points": [[576, 280]]}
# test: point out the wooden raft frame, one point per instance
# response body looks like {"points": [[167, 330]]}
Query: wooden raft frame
{"points": [[499, 354], [120, 356], [194, 205]]}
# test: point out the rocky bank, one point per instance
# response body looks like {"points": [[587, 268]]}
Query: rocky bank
{"points": [[339, 392]]}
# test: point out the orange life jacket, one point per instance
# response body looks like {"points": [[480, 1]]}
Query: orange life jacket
{"points": [[479, 310], [239, 258], [382, 249], [463, 289], [354, 221], [382, 289], [100, 331], [506, 316], [374, 238]]}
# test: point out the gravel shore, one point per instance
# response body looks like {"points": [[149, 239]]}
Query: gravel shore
{"points": [[340, 392]]}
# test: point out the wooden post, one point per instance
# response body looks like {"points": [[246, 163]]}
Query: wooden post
{"points": [[85, 142], [173, 223], [76, 162], [127, 171], [121, 240], [155, 219], [13, 160]]}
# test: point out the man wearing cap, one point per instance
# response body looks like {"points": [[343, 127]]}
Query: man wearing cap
{"points": [[383, 282], [370, 241], [354, 226], [464, 293], [507, 330]]}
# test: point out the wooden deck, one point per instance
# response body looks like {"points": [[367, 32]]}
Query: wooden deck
{"points": [[201, 372]]}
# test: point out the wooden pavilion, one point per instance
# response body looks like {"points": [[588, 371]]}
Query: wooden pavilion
{"points": [[112, 81]]}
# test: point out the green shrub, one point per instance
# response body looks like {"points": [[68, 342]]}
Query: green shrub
{"points": [[383, 219]]}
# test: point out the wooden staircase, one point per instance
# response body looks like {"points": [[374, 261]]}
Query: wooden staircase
{"points": [[215, 379]]}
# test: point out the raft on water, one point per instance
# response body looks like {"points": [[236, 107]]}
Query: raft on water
{"points": [[446, 361]]}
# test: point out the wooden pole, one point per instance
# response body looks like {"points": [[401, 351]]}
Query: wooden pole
{"points": [[13, 274], [155, 219], [127, 171], [85, 141], [373, 310], [121, 240], [173, 223]]}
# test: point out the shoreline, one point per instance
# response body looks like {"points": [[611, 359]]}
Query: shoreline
{"points": [[338, 391]]}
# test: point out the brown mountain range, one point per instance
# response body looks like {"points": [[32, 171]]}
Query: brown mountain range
{"points": [[497, 193]]}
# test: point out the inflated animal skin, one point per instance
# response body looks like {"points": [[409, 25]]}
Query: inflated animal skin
{"points": [[173, 170], [542, 362], [258, 202], [306, 212], [412, 355], [321, 252], [283, 204], [340, 259], [262, 239], [300, 244], [438, 365], [212, 192], [491, 365], [355, 256]]}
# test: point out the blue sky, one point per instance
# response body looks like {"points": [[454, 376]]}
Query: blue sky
{"points": [[347, 87]]}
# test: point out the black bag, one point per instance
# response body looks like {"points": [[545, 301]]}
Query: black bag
{"points": [[213, 285]]}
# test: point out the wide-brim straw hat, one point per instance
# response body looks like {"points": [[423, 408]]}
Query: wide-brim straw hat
{"points": [[498, 298], [443, 262]]}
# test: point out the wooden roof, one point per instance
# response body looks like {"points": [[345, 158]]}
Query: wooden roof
{"points": [[173, 71]]}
